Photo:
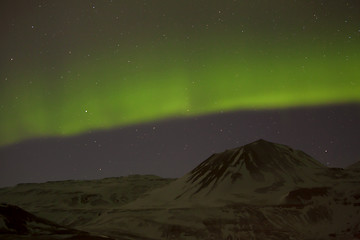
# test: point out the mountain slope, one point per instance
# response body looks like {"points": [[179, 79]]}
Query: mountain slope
{"points": [[16, 223], [73, 202], [260, 191], [354, 166], [240, 175]]}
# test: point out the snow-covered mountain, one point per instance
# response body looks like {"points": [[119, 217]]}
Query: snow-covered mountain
{"points": [[75, 202], [260, 172], [258, 191]]}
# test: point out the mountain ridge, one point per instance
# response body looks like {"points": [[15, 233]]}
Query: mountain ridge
{"points": [[258, 191], [240, 175]]}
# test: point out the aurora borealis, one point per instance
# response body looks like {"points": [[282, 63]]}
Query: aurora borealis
{"points": [[69, 67], [104, 88]]}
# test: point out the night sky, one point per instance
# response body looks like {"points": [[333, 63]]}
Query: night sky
{"points": [[93, 89]]}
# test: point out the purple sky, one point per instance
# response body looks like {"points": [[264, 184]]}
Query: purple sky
{"points": [[173, 147]]}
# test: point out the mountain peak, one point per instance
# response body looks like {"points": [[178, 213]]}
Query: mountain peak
{"points": [[260, 140], [263, 145], [258, 163]]}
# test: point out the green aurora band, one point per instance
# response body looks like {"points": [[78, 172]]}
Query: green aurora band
{"points": [[161, 83], [266, 55]]}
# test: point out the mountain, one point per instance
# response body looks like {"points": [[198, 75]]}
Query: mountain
{"points": [[245, 174], [259, 191], [74, 202]]}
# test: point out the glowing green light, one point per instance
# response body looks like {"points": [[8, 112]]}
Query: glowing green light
{"points": [[152, 85]]}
